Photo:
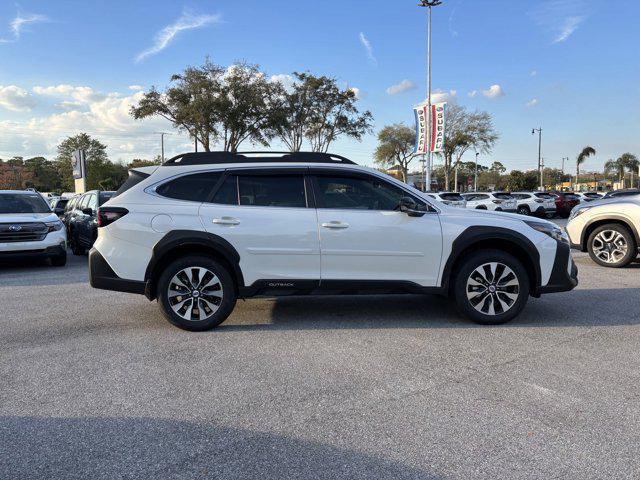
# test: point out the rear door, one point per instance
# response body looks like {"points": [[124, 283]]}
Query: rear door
{"points": [[364, 236], [87, 224], [268, 217]]}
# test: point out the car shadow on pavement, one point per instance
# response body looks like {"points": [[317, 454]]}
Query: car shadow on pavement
{"points": [[577, 308], [95, 448]]}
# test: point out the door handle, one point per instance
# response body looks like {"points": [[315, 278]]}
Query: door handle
{"points": [[335, 225], [226, 221]]}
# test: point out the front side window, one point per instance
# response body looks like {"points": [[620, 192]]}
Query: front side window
{"points": [[93, 202], [194, 188], [272, 191], [357, 193], [21, 203]]}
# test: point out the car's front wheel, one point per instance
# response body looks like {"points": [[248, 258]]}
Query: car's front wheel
{"points": [[612, 245], [196, 293], [491, 287], [524, 210]]}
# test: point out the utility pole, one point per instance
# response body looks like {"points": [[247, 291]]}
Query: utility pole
{"points": [[533, 131], [475, 176], [429, 4], [162, 134]]}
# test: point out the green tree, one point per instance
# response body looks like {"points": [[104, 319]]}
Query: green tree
{"points": [[521, 181], [615, 167], [395, 147], [498, 167], [581, 158], [465, 130], [44, 174], [140, 162], [630, 163]]}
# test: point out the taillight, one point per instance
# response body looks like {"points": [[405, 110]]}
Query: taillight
{"points": [[108, 215]]}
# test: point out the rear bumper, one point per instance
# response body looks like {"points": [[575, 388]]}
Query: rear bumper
{"points": [[102, 276], [564, 275]]}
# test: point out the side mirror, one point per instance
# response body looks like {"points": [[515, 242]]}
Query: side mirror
{"points": [[58, 211], [88, 211], [409, 206]]}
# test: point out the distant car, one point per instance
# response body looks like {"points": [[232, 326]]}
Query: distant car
{"points": [[624, 192], [28, 228], [565, 201], [540, 204], [82, 220], [588, 196], [58, 205], [607, 229], [496, 201], [453, 199]]}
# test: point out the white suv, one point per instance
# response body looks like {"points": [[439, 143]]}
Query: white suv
{"points": [[495, 201], [205, 229], [453, 199], [28, 228], [607, 229], [535, 203]]}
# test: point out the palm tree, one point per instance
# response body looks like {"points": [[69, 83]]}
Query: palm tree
{"points": [[616, 167], [630, 162], [582, 156]]}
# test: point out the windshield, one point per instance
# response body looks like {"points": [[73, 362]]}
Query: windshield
{"points": [[21, 203], [104, 196]]}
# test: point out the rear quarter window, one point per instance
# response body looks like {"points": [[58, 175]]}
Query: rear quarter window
{"points": [[196, 187], [453, 197]]}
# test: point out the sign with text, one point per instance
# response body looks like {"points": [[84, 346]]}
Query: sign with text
{"points": [[78, 163], [430, 128]]}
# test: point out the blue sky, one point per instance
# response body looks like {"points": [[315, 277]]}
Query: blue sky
{"points": [[570, 66]]}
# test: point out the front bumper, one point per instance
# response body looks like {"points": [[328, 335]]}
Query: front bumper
{"points": [[46, 252], [564, 274], [102, 276]]}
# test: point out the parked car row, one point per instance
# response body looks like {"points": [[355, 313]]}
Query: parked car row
{"points": [[80, 216]]}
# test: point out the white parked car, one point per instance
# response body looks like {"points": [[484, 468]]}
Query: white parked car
{"points": [[494, 201], [205, 229], [535, 203], [588, 196], [28, 228], [607, 229], [453, 199]]}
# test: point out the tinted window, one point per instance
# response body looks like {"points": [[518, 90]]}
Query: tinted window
{"points": [[272, 190], [227, 194], [134, 178], [481, 197], [503, 195], [61, 203], [194, 188], [84, 201], [93, 201], [20, 203], [358, 193], [105, 196], [453, 197], [543, 195]]}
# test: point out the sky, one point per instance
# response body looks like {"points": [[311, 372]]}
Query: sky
{"points": [[569, 66]]}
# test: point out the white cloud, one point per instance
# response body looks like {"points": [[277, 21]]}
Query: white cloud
{"points": [[283, 79], [136, 88], [533, 73], [358, 93], [17, 24], [367, 46], [188, 21], [532, 103], [493, 92], [439, 96], [16, 99], [560, 18], [79, 95], [472, 94], [403, 86]]}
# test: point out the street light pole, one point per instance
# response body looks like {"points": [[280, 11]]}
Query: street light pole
{"points": [[475, 176], [162, 134], [533, 131], [429, 4]]}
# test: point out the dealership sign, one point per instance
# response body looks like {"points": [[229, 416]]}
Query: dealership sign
{"points": [[430, 123], [79, 164]]}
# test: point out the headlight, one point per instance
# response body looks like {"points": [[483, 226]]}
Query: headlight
{"points": [[577, 211], [54, 226], [554, 232]]}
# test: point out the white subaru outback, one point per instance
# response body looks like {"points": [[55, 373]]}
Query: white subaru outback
{"points": [[205, 229]]}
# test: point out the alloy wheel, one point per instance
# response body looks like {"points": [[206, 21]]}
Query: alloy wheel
{"points": [[610, 246], [195, 293], [493, 288]]}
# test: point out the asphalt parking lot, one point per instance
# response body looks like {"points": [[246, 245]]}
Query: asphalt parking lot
{"points": [[97, 384]]}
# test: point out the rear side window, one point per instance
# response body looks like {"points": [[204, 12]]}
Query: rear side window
{"points": [[453, 197], [105, 196], [194, 188], [227, 194], [503, 196], [543, 195], [272, 191]]}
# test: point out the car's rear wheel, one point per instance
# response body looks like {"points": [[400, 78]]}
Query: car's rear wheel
{"points": [[491, 287], [196, 293], [612, 245]]}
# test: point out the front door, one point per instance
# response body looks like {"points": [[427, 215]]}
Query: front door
{"points": [[364, 236], [268, 219]]}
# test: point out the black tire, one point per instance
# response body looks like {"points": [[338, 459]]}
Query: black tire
{"points": [[481, 207], [524, 210], [225, 305], [59, 260], [594, 241], [76, 249], [513, 297]]}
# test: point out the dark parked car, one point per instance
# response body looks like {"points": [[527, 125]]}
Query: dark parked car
{"points": [[58, 205], [565, 201], [81, 219], [624, 192]]}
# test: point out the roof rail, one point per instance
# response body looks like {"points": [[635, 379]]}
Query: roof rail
{"points": [[204, 158]]}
